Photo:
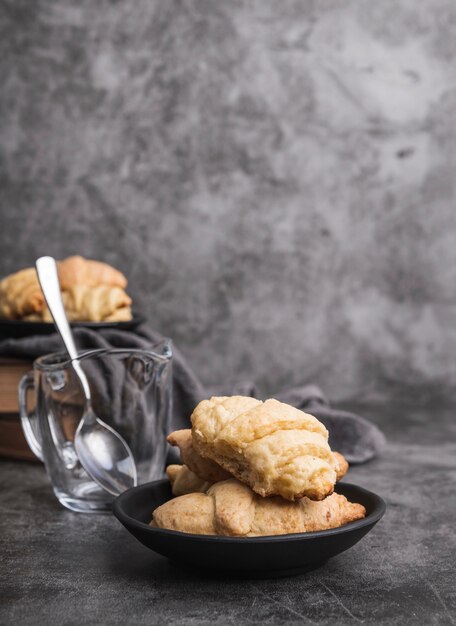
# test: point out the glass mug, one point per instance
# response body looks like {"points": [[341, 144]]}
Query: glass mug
{"points": [[131, 391]]}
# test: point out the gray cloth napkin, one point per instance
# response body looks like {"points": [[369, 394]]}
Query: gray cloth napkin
{"points": [[352, 435]]}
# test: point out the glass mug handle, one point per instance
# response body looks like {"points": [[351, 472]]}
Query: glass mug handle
{"points": [[29, 420]]}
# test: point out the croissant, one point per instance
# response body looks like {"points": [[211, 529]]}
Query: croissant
{"points": [[271, 446], [76, 270], [232, 509], [207, 470], [183, 480], [94, 304], [21, 295]]}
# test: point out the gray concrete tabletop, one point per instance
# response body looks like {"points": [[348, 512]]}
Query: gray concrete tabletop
{"points": [[64, 568]]}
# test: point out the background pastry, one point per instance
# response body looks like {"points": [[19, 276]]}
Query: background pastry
{"points": [[94, 304], [21, 295], [76, 270], [271, 446], [92, 291]]}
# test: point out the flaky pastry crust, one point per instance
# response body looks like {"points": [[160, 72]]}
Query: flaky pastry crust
{"points": [[183, 480], [76, 270], [209, 471], [273, 447], [92, 291], [232, 509], [205, 469], [94, 304], [21, 295]]}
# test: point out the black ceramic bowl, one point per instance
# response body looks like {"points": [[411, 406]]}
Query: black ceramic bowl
{"points": [[278, 555]]}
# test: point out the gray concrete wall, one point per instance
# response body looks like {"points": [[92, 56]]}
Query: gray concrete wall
{"points": [[277, 179]]}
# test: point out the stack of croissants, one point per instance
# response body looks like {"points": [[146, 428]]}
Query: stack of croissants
{"points": [[253, 468], [92, 291]]}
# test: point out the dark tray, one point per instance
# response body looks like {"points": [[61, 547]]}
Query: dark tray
{"points": [[16, 329]]}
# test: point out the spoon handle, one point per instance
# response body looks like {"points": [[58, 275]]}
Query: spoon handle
{"points": [[46, 268]]}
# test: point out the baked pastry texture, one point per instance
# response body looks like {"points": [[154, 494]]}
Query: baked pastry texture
{"points": [[342, 464], [273, 447], [76, 270], [91, 291], [232, 509], [209, 471], [183, 480], [94, 304], [21, 295], [205, 469]]}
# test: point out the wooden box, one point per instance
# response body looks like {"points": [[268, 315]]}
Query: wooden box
{"points": [[12, 441]]}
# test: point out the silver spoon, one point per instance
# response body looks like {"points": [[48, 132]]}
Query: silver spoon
{"points": [[102, 452]]}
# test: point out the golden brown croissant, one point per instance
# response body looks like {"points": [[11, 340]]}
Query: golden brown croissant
{"points": [[205, 469], [94, 304], [232, 509], [183, 480], [271, 446], [342, 465], [209, 471], [21, 295], [76, 270]]}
